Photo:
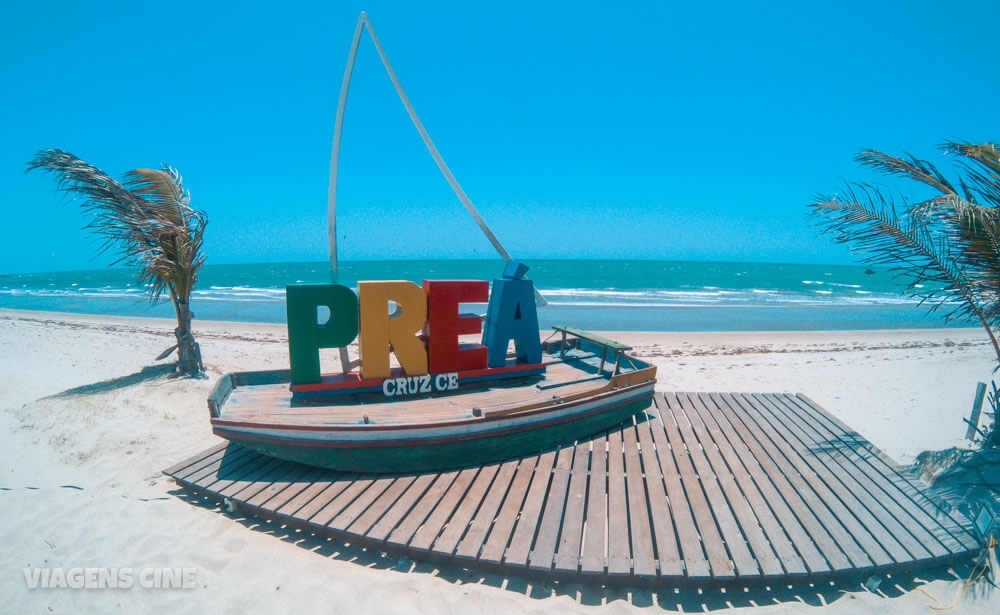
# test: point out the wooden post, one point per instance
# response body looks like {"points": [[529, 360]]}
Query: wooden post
{"points": [[977, 410]]}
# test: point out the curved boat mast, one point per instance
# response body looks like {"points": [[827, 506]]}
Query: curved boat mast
{"points": [[364, 23]]}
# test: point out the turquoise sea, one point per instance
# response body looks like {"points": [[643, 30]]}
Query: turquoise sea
{"points": [[596, 295]]}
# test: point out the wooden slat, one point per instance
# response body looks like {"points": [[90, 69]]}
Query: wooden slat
{"points": [[396, 511], [480, 525], [496, 544], [595, 534], [840, 548], [543, 552], [293, 500], [640, 533], [764, 556], [898, 531], [718, 557], [668, 556], [459, 522], [736, 541], [422, 509], [711, 487], [428, 532], [177, 467], [792, 491], [956, 534], [760, 495], [524, 532], [568, 552], [696, 563], [363, 502], [852, 513], [619, 551]]}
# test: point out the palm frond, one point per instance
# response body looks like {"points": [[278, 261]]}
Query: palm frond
{"points": [[912, 167], [866, 218], [146, 219], [981, 163]]}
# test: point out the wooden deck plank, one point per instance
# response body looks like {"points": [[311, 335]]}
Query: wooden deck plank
{"points": [[424, 537], [192, 460], [817, 499], [322, 493], [567, 557], [499, 535], [905, 488], [408, 526], [849, 505], [293, 500], [397, 510], [247, 482], [524, 532], [366, 521], [212, 464], [696, 563], [792, 491], [593, 560], [718, 557], [447, 542], [363, 502], [619, 549], [230, 470], [640, 532], [903, 538], [736, 538], [335, 505], [780, 525], [253, 498], [479, 527], [712, 488], [763, 550], [542, 554], [669, 562]]}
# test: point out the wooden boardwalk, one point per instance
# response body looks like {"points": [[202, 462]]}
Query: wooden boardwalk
{"points": [[710, 488]]}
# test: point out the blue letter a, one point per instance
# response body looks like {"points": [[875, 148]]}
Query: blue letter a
{"points": [[511, 315]]}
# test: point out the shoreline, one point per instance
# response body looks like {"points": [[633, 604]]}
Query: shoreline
{"points": [[89, 421]]}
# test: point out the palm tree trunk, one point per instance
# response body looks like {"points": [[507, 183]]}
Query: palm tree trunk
{"points": [[188, 351]]}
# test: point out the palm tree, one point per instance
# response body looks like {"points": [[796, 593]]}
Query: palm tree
{"points": [[947, 246], [148, 220]]}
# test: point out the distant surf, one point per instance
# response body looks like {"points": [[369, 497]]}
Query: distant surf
{"points": [[599, 295]]}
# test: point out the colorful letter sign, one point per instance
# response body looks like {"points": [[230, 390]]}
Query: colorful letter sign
{"points": [[306, 335], [423, 331], [379, 331], [445, 324]]}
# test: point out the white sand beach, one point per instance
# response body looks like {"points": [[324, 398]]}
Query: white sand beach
{"points": [[85, 433]]}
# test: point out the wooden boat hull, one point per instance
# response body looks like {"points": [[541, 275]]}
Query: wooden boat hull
{"points": [[387, 449]]}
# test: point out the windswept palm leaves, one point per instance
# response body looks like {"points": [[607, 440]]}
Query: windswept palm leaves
{"points": [[147, 221], [946, 246]]}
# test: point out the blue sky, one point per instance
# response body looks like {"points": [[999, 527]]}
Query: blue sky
{"points": [[580, 130]]}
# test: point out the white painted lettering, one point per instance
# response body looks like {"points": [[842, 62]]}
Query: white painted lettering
{"points": [[32, 576], [452, 381], [425, 384], [441, 382], [387, 387]]}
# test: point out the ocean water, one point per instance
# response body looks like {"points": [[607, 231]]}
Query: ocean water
{"points": [[596, 295]]}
